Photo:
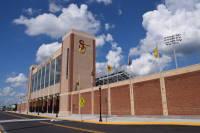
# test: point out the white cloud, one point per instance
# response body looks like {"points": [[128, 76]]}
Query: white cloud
{"points": [[46, 50], [9, 95], [105, 2], [56, 26], [134, 52], [174, 5], [17, 80], [114, 56], [120, 12], [100, 68], [163, 22], [102, 39], [174, 17], [7, 91], [109, 26], [53, 7], [31, 11], [147, 64]]}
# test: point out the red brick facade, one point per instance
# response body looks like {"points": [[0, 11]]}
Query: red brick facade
{"points": [[75, 104], [120, 100], [22, 107], [147, 98], [183, 94], [104, 101], [86, 109]]}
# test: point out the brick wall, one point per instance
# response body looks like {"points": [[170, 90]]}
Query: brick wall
{"points": [[87, 108], [104, 100], [22, 107], [147, 98], [183, 94], [120, 100], [75, 104]]}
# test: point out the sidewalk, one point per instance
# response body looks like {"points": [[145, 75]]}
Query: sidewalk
{"points": [[127, 120]]}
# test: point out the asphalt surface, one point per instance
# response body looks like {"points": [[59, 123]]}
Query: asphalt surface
{"points": [[15, 123]]}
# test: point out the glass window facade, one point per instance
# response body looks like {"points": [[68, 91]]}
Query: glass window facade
{"points": [[43, 78], [47, 75], [58, 69], [32, 83], [39, 79], [35, 77], [36, 80], [52, 72]]}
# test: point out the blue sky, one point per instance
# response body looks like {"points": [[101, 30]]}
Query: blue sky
{"points": [[122, 28]]}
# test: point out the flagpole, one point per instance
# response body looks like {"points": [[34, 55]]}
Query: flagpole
{"points": [[109, 68], [107, 98], [159, 59], [162, 87]]}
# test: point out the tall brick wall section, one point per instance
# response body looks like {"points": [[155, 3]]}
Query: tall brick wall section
{"points": [[147, 98], [22, 107], [104, 101], [18, 107], [87, 108], [120, 100], [183, 94], [75, 103]]}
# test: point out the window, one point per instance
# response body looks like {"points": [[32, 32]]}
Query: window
{"points": [[42, 78], [47, 75], [39, 79], [32, 83], [34, 88], [58, 69], [36, 81], [52, 72]]}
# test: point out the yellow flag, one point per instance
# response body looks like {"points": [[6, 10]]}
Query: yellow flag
{"points": [[109, 68], [156, 53], [82, 102]]}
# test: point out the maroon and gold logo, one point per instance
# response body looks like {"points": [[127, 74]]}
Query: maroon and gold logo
{"points": [[82, 47]]}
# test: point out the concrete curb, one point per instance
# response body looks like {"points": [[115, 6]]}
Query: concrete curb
{"points": [[177, 123]]}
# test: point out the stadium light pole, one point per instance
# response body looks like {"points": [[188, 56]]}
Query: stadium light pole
{"points": [[173, 40]]}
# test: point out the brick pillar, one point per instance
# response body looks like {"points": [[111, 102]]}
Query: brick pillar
{"points": [[71, 103], [92, 101], [109, 101], [79, 107], [132, 98], [163, 96]]}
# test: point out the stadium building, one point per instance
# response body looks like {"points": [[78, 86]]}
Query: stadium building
{"points": [[68, 78]]}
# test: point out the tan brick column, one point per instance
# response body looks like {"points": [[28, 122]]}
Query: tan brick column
{"points": [[132, 98], [79, 107], [163, 96], [71, 103], [92, 101]]}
